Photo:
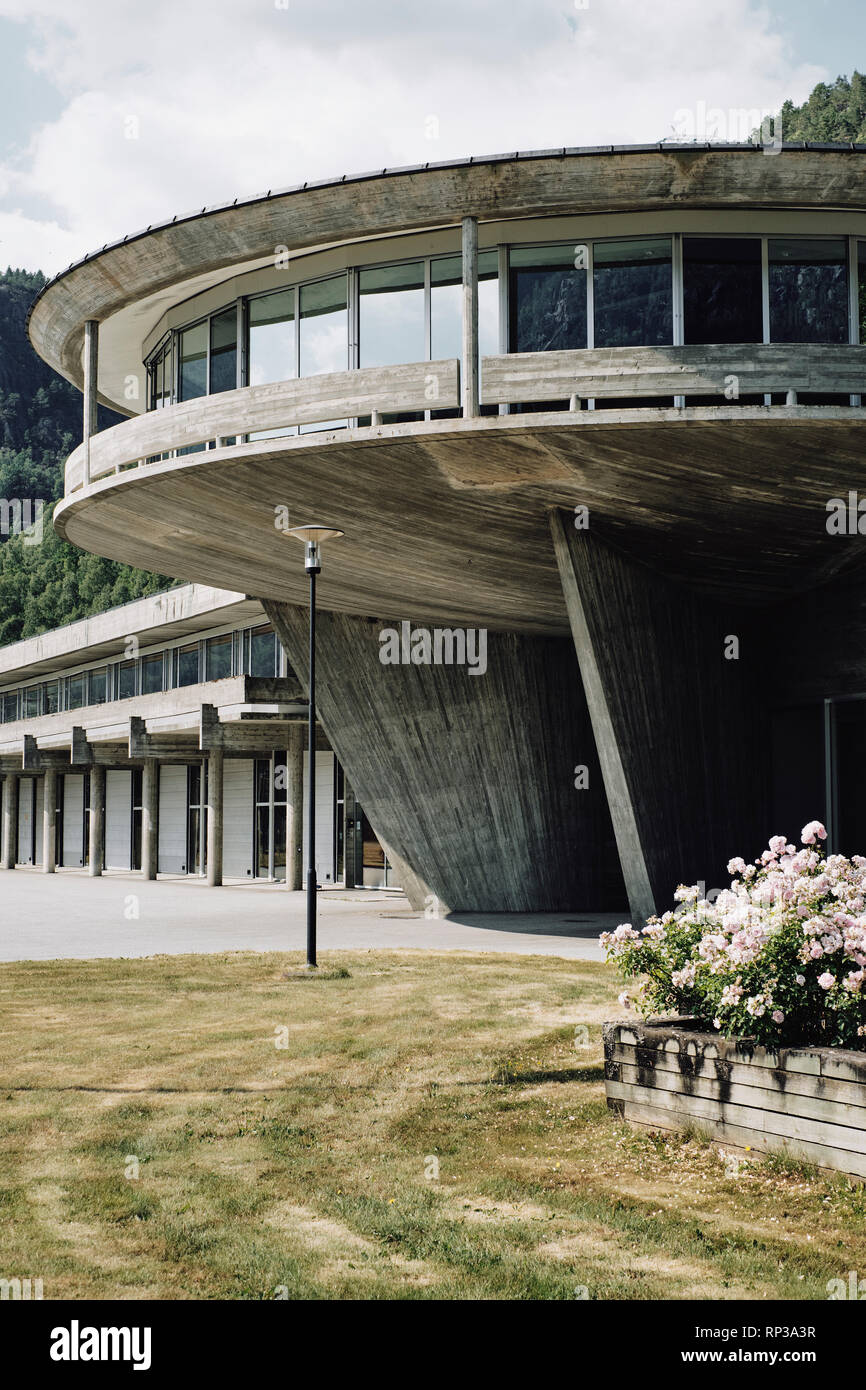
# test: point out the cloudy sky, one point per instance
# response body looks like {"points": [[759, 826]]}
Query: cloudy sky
{"points": [[118, 113]]}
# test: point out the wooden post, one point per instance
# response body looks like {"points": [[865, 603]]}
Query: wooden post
{"points": [[97, 819], [49, 821], [91, 366], [10, 819], [149, 818], [215, 818], [470, 317], [294, 807]]}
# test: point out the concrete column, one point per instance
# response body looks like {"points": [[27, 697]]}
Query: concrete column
{"points": [[149, 817], [294, 807], [10, 819], [215, 818], [470, 317], [49, 820], [91, 366], [97, 819], [628, 839]]}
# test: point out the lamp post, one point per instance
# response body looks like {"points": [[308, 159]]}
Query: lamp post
{"points": [[312, 537]]}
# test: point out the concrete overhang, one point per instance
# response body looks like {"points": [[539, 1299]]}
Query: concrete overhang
{"points": [[170, 616]]}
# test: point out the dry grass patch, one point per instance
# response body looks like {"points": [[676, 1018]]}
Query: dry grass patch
{"points": [[421, 1125]]}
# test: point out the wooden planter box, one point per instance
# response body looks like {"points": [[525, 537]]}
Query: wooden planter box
{"points": [[808, 1103]]}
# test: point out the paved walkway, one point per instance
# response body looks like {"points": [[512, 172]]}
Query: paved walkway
{"points": [[50, 917]]}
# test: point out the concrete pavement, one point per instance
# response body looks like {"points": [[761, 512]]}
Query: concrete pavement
{"points": [[69, 915]]}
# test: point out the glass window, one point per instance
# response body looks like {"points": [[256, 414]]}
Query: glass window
{"points": [[272, 338], [151, 674], [722, 294], [160, 378], [30, 701], [192, 380], [861, 265], [633, 293], [51, 697], [808, 290], [218, 658], [76, 691], [98, 681], [391, 327], [548, 299], [224, 351], [10, 706], [324, 327], [446, 305], [126, 680], [187, 665], [263, 652]]}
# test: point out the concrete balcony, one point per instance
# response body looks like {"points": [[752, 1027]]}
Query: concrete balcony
{"points": [[447, 517]]}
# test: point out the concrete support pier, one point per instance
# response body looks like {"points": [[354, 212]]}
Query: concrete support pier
{"points": [[97, 820], [215, 818], [49, 821], [10, 819]]}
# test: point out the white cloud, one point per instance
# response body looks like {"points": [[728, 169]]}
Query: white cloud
{"points": [[173, 106]]}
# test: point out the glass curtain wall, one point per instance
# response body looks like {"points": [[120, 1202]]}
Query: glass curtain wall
{"points": [[548, 299], [632, 293], [861, 288], [808, 286], [446, 312], [722, 290]]}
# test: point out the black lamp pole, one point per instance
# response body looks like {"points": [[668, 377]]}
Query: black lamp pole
{"points": [[312, 536], [313, 568]]}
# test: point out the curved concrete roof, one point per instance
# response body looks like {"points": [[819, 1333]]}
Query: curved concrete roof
{"points": [[173, 258]]}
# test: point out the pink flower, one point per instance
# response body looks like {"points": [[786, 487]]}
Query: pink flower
{"points": [[808, 833], [778, 1016], [826, 981]]}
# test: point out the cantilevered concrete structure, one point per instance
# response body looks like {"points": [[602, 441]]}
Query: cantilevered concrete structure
{"points": [[594, 402]]}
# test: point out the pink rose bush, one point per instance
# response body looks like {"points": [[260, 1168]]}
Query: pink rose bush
{"points": [[780, 956]]}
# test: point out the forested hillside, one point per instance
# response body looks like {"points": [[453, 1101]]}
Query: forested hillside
{"points": [[830, 114], [50, 583]]}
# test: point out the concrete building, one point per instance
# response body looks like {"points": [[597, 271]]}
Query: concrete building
{"points": [[166, 736], [590, 413]]}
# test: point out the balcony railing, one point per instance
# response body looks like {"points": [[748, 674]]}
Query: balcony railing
{"points": [[725, 373], [229, 416]]}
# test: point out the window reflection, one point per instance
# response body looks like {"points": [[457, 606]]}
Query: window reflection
{"points": [[722, 291], [218, 658], [273, 345], [548, 299], [446, 311], [187, 665], [391, 315], [633, 293], [224, 351], [151, 674], [192, 375], [808, 290], [324, 327]]}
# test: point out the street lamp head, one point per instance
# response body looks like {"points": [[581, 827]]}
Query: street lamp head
{"points": [[312, 537]]}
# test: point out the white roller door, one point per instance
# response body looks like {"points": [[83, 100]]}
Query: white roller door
{"points": [[73, 820], [25, 820], [172, 820], [238, 817], [324, 816], [118, 819], [38, 815]]}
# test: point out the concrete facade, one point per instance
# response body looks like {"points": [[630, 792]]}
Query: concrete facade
{"points": [[596, 405]]}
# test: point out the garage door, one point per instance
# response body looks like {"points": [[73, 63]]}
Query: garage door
{"points": [[25, 820], [172, 820], [73, 820], [38, 812], [238, 817], [324, 816], [118, 819]]}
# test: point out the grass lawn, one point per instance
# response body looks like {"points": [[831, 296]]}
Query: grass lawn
{"points": [[286, 1137]]}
